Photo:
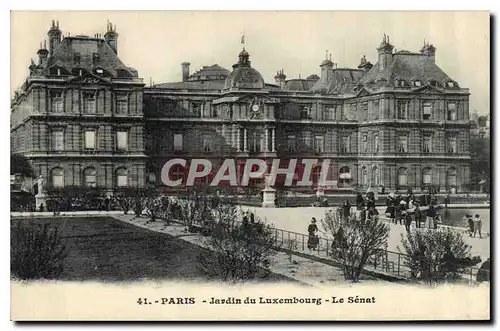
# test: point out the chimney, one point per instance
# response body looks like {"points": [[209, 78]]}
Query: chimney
{"points": [[327, 67], [429, 50], [54, 37], [111, 37], [43, 54], [280, 78], [384, 53], [185, 70]]}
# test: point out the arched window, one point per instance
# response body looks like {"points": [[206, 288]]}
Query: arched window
{"points": [[402, 177], [57, 176], [375, 176], [426, 176], [90, 177], [344, 177], [451, 177], [364, 177], [121, 177]]}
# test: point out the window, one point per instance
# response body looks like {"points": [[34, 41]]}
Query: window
{"points": [[121, 104], [152, 177], [306, 137], [403, 144], [57, 176], [90, 139], [427, 144], [417, 83], [304, 112], [57, 102], [375, 176], [121, 177], [292, 144], [376, 143], [344, 177], [345, 144], [242, 140], [316, 174], [451, 177], [89, 102], [427, 176], [255, 138], [376, 109], [58, 140], [450, 84], [365, 105], [402, 177], [427, 110], [452, 144], [89, 175], [365, 143], [215, 113], [197, 109], [402, 109], [270, 137], [330, 113], [99, 71], [178, 142], [433, 83], [122, 140], [207, 144], [319, 144], [452, 111], [95, 58]]}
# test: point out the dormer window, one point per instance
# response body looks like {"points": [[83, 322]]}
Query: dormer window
{"points": [[76, 58], [433, 83], [417, 83], [95, 58], [99, 71], [450, 84]]}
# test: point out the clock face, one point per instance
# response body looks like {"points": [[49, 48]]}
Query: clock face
{"points": [[255, 107]]}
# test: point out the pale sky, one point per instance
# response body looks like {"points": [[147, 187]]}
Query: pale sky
{"points": [[156, 42]]}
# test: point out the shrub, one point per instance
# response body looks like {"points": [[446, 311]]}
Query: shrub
{"points": [[436, 256], [354, 241], [36, 251], [239, 251]]}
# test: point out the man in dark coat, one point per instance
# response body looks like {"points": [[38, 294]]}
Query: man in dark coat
{"points": [[346, 209], [483, 274], [418, 216]]}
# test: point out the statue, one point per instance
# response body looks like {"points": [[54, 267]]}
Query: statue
{"points": [[40, 183]]}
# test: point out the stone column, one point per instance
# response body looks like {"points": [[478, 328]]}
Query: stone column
{"points": [[245, 142], [273, 137], [238, 139], [266, 140]]}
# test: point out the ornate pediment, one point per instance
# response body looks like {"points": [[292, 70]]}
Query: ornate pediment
{"points": [[90, 79], [428, 89]]}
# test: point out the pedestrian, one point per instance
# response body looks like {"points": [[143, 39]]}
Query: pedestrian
{"points": [[312, 242], [346, 209], [418, 216], [407, 220], [483, 274], [431, 213], [477, 225], [470, 224]]}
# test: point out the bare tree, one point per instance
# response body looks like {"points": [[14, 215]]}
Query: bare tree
{"points": [[436, 256], [354, 241], [239, 251]]}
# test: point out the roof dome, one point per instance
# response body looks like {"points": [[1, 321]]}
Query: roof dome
{"points": [[243, 53], [244, 77]]}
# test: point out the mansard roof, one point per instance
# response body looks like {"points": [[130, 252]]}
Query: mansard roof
{"points": [[406, 66], [88, 53]]}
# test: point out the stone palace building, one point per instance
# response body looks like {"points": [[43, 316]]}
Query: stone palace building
{"points": [[84, 118]]}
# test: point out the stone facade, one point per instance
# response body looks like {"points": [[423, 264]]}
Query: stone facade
{"points": [[399, 123]]}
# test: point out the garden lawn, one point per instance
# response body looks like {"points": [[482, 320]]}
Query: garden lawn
{"points": [[106, 249]]}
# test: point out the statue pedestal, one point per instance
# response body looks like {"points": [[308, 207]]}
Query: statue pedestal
{"points": [[268, 196], [41, 198]]}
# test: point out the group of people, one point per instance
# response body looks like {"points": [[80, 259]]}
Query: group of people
{"points": [[474, 225]]}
